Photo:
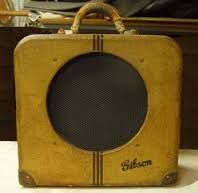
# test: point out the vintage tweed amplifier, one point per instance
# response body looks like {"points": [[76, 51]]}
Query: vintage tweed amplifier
{"points": [[98, 109]]}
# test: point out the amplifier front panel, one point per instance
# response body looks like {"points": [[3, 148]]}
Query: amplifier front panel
{"points": [[147, 158]]}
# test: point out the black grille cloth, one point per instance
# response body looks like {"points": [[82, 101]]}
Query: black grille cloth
{"points": [[97, 102]]}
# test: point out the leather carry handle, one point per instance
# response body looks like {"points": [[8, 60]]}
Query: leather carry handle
{"points": [[98, 7]]}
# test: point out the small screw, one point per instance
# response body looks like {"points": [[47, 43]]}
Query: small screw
{"points": [[142, 60]]}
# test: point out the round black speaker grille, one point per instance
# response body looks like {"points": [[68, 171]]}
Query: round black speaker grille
{"points": [[97, 102]]}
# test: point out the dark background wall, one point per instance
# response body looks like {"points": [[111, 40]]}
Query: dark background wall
{"points": [[189, 130]]}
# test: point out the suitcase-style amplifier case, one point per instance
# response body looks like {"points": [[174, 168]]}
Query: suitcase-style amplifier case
{"points": [[98, 109]]}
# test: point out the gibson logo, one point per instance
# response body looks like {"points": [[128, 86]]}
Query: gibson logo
{"points": [[128, 165]]}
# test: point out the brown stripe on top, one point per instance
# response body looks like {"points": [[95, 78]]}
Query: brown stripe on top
{"points": [[94, 42], [101, 43], [98, 43]]}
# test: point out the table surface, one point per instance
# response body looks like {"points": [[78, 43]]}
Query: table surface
{"points": [[187, 176]]}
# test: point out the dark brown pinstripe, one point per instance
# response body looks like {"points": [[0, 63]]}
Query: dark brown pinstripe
{"points": [[97, 156]]}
